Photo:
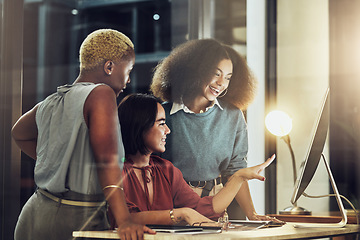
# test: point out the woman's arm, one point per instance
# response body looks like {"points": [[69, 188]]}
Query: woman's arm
{"points": [[243, 197], [100, 112], [237, 187], [184, 196], [162, 217], [25, 132]]}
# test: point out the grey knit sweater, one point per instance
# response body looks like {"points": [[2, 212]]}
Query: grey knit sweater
{"points": [[206, 144]]}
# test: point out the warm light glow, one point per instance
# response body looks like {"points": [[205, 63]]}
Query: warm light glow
{"points": [[278, 123]]}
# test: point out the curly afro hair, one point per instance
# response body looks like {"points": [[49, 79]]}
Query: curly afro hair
{"points": [[192, 64]]}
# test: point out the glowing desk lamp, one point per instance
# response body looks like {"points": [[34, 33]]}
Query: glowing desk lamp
{"points": [[280, 124]]}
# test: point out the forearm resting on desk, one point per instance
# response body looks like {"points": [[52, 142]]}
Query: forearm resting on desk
{"points": [[162, 217]]}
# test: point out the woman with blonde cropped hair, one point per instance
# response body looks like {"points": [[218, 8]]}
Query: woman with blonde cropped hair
{"points": [[74, 136]]}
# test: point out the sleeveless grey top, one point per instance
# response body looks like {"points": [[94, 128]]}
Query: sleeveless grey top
{"points": [[65, 160]]}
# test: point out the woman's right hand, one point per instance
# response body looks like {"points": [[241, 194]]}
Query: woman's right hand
{"points": [[190, 216], [254, 172], [133, 231]]}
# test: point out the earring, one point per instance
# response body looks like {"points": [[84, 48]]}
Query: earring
{"points": [[109, 73], [223, 93]]}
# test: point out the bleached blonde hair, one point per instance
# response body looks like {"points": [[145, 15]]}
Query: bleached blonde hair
{"points": [[103, 45]]}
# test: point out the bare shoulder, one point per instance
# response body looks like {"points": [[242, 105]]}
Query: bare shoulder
{"points": [[102, 90], [101, 100], [101, 94]]}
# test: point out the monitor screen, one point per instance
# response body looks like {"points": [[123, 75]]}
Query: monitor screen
{"points": [[315, 149]]}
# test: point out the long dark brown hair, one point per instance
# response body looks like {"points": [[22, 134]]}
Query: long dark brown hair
{"points": [[137, 114]]}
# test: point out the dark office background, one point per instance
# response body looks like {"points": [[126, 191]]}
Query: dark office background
{"points": [[54, 29]]}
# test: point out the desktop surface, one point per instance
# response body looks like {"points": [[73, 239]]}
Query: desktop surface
{"points": [[321, 217], [286, 231]]}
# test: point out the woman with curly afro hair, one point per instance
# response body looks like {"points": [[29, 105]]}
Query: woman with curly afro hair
{"points": [[206, 85]]}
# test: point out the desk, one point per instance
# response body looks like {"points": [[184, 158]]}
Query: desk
{"points": [[327, 217], [285, 232]]}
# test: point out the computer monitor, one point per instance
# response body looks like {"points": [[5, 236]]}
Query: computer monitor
{"points": [[312, 161]]}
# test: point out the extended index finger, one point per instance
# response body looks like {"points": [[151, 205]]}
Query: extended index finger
{"points": [[269, 160]]}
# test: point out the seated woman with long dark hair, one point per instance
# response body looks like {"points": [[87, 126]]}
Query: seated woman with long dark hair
{"points": [[155, 190]]}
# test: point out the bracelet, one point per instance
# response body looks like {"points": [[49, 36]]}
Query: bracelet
{"points": [[113, 186], [172, 216]]}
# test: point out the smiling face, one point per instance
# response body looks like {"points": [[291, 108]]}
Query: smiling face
{"points": [[155, 137], [220, 80]]}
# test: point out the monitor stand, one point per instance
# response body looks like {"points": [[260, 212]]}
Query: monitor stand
{"points": [[343, 221]]}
